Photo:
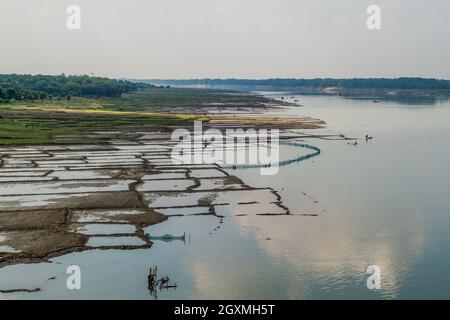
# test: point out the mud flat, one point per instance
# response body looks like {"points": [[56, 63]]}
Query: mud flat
{"points": [[80, 197], [59, 199]]}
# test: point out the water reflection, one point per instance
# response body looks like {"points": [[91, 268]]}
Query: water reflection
{"points": [[378, 208], [384, 203]]}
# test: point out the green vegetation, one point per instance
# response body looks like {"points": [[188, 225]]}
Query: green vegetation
{"points": [[45, 121], [153, 100], [73, 103], [181, 99], [41, 87], [355, 83], [27, 131], [22, 128]]}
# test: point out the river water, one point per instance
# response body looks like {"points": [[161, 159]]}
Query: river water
{"points": [[384, 202]]}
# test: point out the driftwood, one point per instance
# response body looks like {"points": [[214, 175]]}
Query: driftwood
{"points": [[154, 283]]}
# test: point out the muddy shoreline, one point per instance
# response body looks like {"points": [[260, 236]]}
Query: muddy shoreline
{"points": [[61, 198]]}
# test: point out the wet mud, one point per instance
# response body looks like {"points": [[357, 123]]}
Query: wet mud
{"points": [[59, 199]]}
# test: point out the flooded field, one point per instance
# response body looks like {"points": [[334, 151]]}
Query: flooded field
{"points": [[118, 208], [69, 201]]}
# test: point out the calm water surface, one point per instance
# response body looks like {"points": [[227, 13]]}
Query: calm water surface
{"points": [[384, 203]]}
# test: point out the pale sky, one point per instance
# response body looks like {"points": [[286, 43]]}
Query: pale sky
{"points": [[226, 38]]}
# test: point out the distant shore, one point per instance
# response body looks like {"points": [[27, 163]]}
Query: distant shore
{"points": [[402, 87]]}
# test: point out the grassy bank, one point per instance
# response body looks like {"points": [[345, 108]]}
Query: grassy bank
{"points": [[43, 121], [27, 127], [165, 100]]}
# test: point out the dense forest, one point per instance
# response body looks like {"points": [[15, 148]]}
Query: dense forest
{"points": [[355, 83], [36, 87]]}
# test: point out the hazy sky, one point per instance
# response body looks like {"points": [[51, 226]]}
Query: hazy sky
{"points": [[226, 38]]}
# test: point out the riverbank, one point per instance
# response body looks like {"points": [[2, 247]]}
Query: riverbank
{"points": [[74, 180], [36, 125]]}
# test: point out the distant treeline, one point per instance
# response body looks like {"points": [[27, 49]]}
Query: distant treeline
{"points": [[355, 83], [35, 87]]}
